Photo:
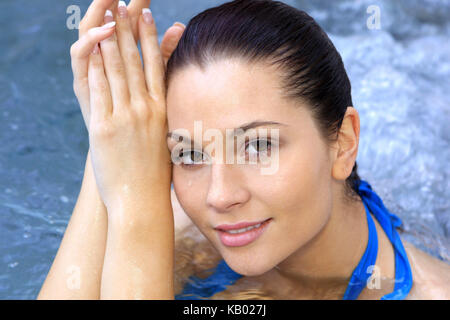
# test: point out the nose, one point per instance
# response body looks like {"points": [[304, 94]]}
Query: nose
{"points": [[225, 191]]}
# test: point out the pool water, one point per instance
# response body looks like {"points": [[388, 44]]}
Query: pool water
{"points": [[399, 76]]}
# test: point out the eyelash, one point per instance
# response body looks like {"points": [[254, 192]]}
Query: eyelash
{"points": [[267, 143]]}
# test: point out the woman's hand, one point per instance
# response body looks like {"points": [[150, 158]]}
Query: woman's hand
{"points": [[127, 127], [131, 161], [81, 49]]}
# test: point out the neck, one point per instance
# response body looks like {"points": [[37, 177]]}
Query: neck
{"points": [[325, 264]]}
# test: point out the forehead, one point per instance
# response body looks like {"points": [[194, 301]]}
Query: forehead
{"points": [[224, 95]]}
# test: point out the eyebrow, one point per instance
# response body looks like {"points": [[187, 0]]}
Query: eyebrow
{"points": [[236, 131]]}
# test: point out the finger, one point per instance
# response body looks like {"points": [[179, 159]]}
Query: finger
{"points": [[82, 48], [134, 12], [170, 40], [115, 72], [108, 17], [130, 54], [135, 6], [151, 53], [80, 52], [94, 15], [99, 90], [80, 71]]}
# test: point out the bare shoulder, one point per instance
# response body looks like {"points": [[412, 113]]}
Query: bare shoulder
{"points": [[431, 276]]}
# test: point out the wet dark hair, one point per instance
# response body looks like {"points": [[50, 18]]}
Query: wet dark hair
{"points": [[273, 32]]}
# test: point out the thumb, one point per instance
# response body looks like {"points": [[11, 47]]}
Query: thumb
{"points": [[170, 40]]}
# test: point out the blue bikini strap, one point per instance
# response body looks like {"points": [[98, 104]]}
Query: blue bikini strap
{"points": [[362, 272], [389, 222]]}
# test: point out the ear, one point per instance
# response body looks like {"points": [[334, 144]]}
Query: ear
{"points": [[347, 145]]}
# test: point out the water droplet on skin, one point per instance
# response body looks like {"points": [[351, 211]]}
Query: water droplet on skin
{"points": [[190, 183]]}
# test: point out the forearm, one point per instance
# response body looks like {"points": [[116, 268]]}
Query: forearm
{"points": [[139, 253], [77, 268]]}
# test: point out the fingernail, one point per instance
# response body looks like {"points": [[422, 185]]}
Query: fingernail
{"points": [[179, 24], [122, 9], [108, 25], [147, 14], [96, 49], [108, 16]]}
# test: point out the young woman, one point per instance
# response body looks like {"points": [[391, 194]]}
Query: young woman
{"points": [[311, 230]]}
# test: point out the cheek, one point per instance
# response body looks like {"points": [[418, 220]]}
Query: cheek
{"points": [[299, 194], [188, 189], [299, 179]]}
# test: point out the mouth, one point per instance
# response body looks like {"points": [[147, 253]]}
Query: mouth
{"points": [[241, 234]]}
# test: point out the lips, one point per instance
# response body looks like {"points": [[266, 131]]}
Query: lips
{"points": [[242, 234], [240, 225]]}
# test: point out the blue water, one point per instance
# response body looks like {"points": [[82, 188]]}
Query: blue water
{"points": [[399, 75]]}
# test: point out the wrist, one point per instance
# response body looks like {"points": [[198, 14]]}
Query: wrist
{"points": [[131, 216]]}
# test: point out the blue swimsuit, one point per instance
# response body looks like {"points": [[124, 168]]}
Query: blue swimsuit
{"points": [[224, 276]]}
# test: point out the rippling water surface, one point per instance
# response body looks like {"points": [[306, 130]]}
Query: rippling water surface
{"points": [[400, 79]]}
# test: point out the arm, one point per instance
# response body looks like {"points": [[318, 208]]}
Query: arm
{"points": [[77, 268], [140, 251]]}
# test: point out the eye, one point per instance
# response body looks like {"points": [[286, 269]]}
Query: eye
{"points": [[190, 158], [259, 146]]}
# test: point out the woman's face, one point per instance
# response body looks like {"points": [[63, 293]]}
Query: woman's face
{"points": [[296, 198]]}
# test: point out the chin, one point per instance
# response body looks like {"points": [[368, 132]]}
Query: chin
{"points": [[250, 264], [249, 268]]}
